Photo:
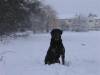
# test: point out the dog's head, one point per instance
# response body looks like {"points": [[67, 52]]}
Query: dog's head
{"points": [[56, 34]]}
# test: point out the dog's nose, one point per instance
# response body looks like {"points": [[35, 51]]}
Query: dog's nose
{"points": [[57, 38]]}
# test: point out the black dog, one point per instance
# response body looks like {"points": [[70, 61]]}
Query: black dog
{"points": [[56, 48]]}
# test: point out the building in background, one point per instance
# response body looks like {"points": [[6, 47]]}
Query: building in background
{"points": [[80, 23]]}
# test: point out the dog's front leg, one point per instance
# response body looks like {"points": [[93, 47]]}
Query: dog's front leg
{"points": [[63, 59], [63, 56]]}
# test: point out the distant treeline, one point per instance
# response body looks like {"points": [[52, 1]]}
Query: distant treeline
{"points": [[23, 15]]}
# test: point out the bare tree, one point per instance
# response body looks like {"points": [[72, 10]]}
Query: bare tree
{"points": [[44, 20], [22, 15], [51, 18]]}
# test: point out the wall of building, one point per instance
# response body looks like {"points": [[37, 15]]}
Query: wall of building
{"points": [[80, 23]]}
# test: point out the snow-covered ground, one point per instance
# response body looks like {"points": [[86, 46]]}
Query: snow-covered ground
{"points": [[25, 56]]}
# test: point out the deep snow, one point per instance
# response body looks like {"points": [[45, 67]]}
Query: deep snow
{"points": [[25, 56]]}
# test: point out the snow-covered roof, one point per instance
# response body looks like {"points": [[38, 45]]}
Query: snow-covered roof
{"points": [[66, 16]]}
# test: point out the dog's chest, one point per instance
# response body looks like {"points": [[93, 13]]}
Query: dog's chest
{"points": [[55, 50], [55, 46]]}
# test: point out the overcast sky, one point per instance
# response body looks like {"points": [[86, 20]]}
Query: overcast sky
{"points": [[66, 8]]}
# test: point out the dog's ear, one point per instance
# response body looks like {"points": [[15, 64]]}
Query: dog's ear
{"points": [[61, 32], [51, 32]]}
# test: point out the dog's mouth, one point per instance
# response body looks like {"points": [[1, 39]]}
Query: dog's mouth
{"points": [[56, 39]]}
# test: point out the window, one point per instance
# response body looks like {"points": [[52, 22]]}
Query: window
{"points": [[90, 20], [69, 20]]}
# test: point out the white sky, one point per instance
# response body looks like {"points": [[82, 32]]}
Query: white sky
{"points": [[66, 8]]}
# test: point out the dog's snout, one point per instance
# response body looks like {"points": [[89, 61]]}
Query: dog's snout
{"points": [[56, 36]]}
